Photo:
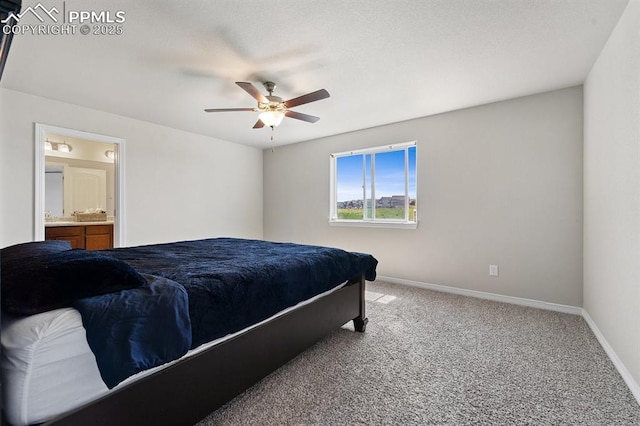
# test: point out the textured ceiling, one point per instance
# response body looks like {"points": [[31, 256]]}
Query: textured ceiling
{"points": [[382, 61]]}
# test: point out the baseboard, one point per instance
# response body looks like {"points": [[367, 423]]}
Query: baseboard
{"points": [[626, 376], [489, 296]]}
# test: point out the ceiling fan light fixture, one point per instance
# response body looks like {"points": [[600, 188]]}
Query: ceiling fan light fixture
{"points": [[271, 118]]}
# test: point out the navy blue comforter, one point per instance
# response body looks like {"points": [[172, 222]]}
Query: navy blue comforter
{"points": [[136, 329], [234, 283]]}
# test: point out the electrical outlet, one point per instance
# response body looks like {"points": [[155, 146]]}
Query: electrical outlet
{"points": [[493, 270]]}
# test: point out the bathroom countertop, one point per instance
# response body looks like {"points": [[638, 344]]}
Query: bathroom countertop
{"points": [[74, 223]]}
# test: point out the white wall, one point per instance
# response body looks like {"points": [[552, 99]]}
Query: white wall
{"points": [[499, 183], [179, 185], [612, 191]]}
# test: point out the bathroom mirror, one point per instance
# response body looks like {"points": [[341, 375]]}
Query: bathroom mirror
{"points": [[78, 178]]}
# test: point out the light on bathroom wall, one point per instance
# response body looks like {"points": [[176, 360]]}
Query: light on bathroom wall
{"points": [[110, 154], [57, 146]]}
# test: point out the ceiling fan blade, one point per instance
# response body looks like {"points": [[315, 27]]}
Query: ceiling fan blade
{"points": [[305, 99], [259, 124], [301, 116], [228, 109], [251, 89]]}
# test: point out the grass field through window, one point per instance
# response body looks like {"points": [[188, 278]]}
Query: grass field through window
{"points": [[381, 213]]}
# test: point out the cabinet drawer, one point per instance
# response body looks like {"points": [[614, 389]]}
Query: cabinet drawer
{"points": [[99, 229], [64, 231]]}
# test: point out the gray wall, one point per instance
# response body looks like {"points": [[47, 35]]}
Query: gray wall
{"points": [[498, 184], [612, 192]]}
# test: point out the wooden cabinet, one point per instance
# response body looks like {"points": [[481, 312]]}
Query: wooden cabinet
{"points": [[73, 234], [90, 237], [98, 237]]}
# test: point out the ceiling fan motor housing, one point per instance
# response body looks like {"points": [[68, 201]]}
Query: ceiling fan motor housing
{"points": [[275, 104], [270, 86]]}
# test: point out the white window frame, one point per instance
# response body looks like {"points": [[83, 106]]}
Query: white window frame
{"points": [[371, 222]]}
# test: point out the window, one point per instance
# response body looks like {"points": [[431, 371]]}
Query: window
{"points": [[375, 186]]}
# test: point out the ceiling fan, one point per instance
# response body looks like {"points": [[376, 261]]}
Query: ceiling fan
{"points": [[273, 108]]}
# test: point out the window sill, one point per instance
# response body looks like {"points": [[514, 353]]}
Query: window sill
{"points": [[372, 224]]}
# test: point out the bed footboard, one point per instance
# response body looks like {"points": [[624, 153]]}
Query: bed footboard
{"points": [[187, 391]]}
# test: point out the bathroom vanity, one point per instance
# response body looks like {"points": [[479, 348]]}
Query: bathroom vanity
{"points": [[86, 235]]}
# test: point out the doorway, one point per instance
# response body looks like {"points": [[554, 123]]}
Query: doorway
{"points": [[50, 139]]}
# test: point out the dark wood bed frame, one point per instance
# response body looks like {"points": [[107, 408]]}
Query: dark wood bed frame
{"points": [[187, 391]]}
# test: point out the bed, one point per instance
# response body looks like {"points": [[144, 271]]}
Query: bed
{"points": [[212, 297]]}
